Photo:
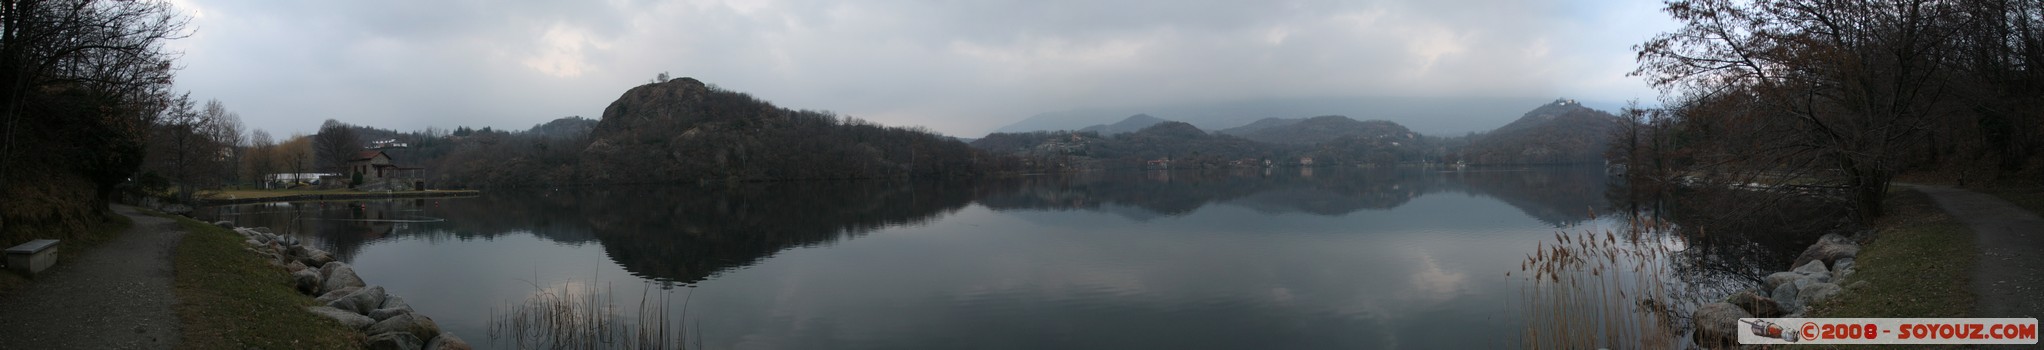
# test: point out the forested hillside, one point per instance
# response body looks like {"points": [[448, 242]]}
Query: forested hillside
{"points": [[684, 130], [1562, 132]]}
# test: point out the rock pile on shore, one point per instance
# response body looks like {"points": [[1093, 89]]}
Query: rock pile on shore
{"points": [[1812, 280], [385, 319]]}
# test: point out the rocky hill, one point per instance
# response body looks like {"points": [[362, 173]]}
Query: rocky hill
{"points": [[683, 130], [1561, 132]]}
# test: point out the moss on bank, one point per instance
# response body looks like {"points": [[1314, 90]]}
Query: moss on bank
{"points": [[229, 298], [1919, 265]]}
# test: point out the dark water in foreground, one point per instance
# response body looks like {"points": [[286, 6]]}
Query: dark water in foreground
{"points": [[1291, 258]]}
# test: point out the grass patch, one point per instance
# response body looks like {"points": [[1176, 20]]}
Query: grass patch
{"points": [[1919, 265], [73, 247], [229, 298]]}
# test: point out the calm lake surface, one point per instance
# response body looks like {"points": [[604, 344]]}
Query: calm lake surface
{"points": [[1285, 258]]}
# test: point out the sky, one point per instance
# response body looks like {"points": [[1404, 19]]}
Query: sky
{"points": [[961, 68]]}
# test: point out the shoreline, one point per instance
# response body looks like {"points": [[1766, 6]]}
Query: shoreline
{"points": [[339, 196]]}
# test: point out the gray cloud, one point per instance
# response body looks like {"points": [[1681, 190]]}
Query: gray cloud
{"points": [[961, 67]]}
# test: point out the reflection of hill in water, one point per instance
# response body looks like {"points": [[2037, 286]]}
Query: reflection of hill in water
{"points": [[1559, 196], [688, 233]]}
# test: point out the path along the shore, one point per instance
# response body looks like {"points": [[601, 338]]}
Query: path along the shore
{"points": [[116, 296], [2008, 279]]}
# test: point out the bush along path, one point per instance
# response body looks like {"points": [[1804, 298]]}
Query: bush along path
{"points": [[116, 296], [2010, 275], [385, 319]]}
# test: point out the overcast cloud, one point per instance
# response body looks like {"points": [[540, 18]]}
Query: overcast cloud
{"points": [[960, 67]]}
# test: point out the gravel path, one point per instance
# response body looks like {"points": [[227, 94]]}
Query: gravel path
{"points": [[2009, 279], [116, 296]]}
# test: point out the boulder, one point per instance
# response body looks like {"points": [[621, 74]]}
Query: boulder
{"points": [[394, 302], [345, 317], [447, 341], [1780, 278], [224, 224], [327, 297], [1809, 268], [1813, 278], [361, 302], [1814, 293], [1829, 249], [305, 280], [1717, 325], [387, 313], [260, 229], [338, 275], [316, 257], [1844, 267], [1755, 304], [392, 341], [296, 266], [415, 324], [1785, 296]]}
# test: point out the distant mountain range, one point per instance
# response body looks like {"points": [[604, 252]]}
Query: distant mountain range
{"points": [[1315, 130], [1131, 124], [1428, 115]]}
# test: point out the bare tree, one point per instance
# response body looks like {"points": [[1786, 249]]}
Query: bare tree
{"points": [[335, 143], [80, 82], [261, 156], [1828, 91]]}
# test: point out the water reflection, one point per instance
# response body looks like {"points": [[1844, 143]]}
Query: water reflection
{"points": [[1334, 258]]}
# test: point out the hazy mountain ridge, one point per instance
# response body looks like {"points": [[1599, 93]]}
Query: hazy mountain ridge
{"points": [[1319, 129], [1131, 124], [1427, 115]]}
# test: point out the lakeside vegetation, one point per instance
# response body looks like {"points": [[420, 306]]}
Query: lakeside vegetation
{"points": [[230, 298], [1919, 266]]}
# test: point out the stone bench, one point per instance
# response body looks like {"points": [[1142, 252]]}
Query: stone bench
{"points": [[32, 257]]}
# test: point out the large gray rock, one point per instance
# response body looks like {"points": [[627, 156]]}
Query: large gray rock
{"points": [[316, 257], [261, 229], [347, 318], [1811, 268], [328, 297], [1813, 278], [392, 341], [1717, 325], [387, 313], [224, 224], [1829, 249], [1814, 293], [1844, 268], [1780, 278], [1785, 295], [394, 302], [361, 302], [1755, 304], [306, 280], [338, 275], [415, 324], [447, 341]]}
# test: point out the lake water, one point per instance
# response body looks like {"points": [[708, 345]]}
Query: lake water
{"points": [[1279, 258]]}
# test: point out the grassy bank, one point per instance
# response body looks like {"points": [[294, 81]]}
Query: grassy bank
{"points": [[229, 298], [73, 247], [1919, 265]]}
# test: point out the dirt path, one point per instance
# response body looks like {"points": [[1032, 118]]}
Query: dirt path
{"points": [[2009, 279], [116, 296]]}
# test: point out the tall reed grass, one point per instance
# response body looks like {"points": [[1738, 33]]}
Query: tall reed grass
{"points": [[577, 316], [1608, 289]]}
